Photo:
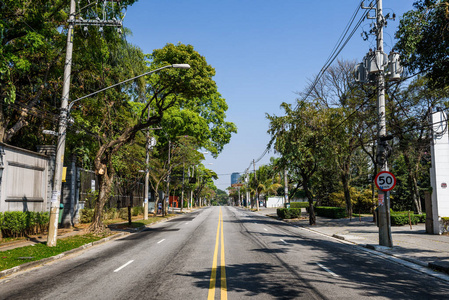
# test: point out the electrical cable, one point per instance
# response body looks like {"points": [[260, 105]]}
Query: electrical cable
{"points": [[336, 51]]}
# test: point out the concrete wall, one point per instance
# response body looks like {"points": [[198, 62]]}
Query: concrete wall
{"points": [[439, 173], [24, 180], [275, 202]]}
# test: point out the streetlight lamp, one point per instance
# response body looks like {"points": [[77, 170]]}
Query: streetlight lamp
{"points": [[65, 109]]}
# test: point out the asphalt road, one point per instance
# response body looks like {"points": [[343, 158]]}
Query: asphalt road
{"points": [[220, 253]]}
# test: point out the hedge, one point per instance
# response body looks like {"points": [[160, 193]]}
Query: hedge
{"points": [[299, 204], [18, 223], [331, 212], [402, 218], [289, 213]]}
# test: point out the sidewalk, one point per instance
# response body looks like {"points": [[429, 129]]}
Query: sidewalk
{"points": [[411, 244]]}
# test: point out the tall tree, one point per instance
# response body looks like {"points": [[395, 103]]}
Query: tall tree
{"points": [[423, 40], [301, 139], [165, 90]]}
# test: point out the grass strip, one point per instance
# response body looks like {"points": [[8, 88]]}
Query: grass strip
{"points": [[15, 257]]}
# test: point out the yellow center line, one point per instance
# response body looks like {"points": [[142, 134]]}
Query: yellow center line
{"points": [[213, 275], [224, 292]]}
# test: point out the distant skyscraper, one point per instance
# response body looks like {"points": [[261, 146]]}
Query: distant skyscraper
{"points": [[235, 178]]}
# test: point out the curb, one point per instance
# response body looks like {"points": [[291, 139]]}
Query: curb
{"points": [[43, 261]]}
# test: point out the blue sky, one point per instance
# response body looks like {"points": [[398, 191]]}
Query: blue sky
{"points": [[263, 51]]}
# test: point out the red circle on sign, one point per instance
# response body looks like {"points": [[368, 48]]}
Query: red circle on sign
{"points": [[385, 181]]}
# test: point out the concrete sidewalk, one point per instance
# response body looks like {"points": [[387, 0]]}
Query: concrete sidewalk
{"points": [[411, 244]]}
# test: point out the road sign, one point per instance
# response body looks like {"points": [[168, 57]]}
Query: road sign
{"points": [[385, 181]]}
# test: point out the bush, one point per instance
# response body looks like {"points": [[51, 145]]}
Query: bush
{"points": [[289, 213], [137, 210], [331, 212], [86, 215], [361, 200], [123, 213], [401, 218], [18, 223], [111, 214]]}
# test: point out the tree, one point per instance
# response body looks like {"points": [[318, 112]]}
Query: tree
{"points": [[222, 197], [33, 40], [423, 40], [347, 116], [410, 111], [30, 63], [165, 90], [300, 139]]}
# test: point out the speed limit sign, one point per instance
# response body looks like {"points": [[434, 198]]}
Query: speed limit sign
{"points": [[385, 181]]}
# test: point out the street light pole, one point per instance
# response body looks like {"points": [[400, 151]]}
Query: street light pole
{"points": [[65, 110]]}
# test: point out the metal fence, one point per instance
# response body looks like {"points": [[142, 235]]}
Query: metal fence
{"points": [[89, 188]]}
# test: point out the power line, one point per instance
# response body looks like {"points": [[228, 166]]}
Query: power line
{"points": [[338, 47]]}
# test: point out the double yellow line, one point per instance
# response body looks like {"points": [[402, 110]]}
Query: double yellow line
{"points": [[213, 275]]}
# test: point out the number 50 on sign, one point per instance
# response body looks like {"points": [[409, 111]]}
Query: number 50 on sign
{"points": [[385, 181]]}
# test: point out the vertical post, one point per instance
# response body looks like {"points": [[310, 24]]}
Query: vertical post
{"points": [[385, 238], [182, 192], [147, 173], [247, 190], [257, 190], [167, 202], [285, 187], [57, 181]]}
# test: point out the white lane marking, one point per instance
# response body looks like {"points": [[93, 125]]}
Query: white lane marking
{"points": [[187, 222], [265, 229], [161, 241], [327, 270], [284, 241], [118, 269]]}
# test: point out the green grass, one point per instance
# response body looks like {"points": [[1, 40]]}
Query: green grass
{"points": [[18, 256]]}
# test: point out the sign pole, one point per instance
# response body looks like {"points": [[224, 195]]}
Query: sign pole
{"points": [[385, 182]]}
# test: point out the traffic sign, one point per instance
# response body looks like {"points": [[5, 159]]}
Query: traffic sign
{"points": [[385, 181]]}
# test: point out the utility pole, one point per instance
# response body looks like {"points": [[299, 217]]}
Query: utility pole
{"points": [[285, 187], [247, 190], [57, 182], [182, 192], [167, 202], [59, 161], [375, 63], [147, 173], [257, 190], [385, 238]]}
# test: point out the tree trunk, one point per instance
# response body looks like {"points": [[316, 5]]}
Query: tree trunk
{"points": [[347, 193], [413, 185], [156, 202], [97, 225], [130, 206], [312, 217]]}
